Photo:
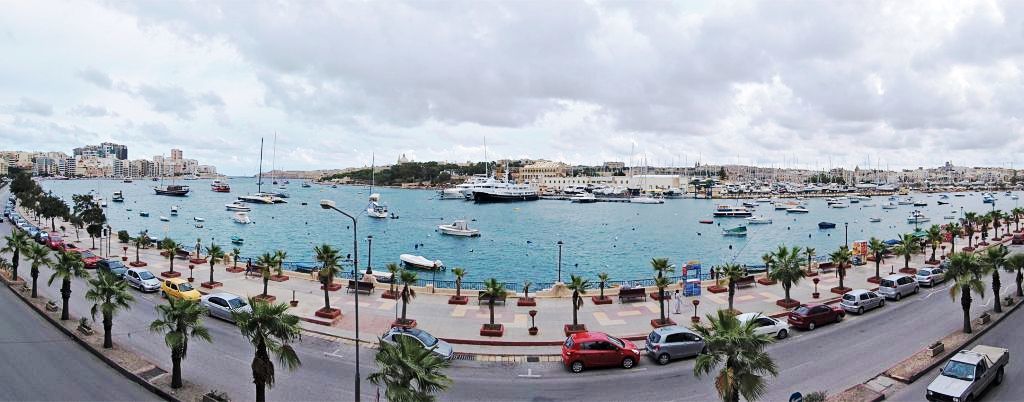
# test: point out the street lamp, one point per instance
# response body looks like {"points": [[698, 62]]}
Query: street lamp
{"points": [[560, 260], [369, 252], [328, 204], [846, 228]]}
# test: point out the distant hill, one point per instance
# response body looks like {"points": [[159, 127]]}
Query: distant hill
{"points": [[411, 172]]}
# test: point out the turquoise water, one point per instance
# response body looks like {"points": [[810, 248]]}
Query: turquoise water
{"points": [[518, 240]]}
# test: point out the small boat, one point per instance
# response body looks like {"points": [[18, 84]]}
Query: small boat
{"points": [[944, 196], [144, 214], [127, 180], [890, 205], [128, 209], [174, 210], [917, 217], [237, 206], [117, 197], [874, 219], [960, 195], [799, 209], [1014, 197], [199, 225], [458, 228], [237, 240], [728, 211], [584, 198], [646, 199], [103, 202], [920, 204], [869, 204], [826, 225], [420, 262], [706, 221], [942, 202], [375, 209], [241, 217], [750, 204], [764, 199], [173, 190], [840, 205], [452, 193], [165, 219], [306, 185], [736, 231], [220, 187], [758, 220], [198, 219]]}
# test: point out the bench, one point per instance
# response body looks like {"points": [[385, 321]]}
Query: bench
{"points": [[359, 286], [481, 298], [183, 254], [632, 294], [746, 281]]}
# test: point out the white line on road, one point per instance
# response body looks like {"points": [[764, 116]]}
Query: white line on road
{"points": [[335, 353], [529, 374]]}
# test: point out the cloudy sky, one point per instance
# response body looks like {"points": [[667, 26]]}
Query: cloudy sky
{"points": [[803, 84]]}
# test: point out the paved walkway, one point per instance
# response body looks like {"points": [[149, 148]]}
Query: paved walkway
{"points": [[461, 323]]}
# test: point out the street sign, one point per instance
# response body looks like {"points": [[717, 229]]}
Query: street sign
{"points": [[796, 397]]}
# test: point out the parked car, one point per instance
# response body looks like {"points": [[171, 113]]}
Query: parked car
{"points": [[142, 279], [55, 242], [673, 342], [968, 373], [422, 338], [811, 316], [222, 305], [1017, 239], [113, 266], [861, 300], [595, 349], [765, 325], [898, 285], [179, 289], [930, 276], [89, 258]]}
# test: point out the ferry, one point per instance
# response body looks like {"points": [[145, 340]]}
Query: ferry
{"points": [[727, 211], [174, 190]]}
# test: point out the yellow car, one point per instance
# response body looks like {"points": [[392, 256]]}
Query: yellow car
{"points": [[179, 289]]}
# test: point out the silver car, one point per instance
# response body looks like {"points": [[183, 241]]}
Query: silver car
{"points": [[898, 285], [142, 279], [930, 276], [421, 337], [673, 342], [223, 305], [860, 300]]}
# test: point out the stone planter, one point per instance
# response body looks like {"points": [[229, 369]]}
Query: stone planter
{"points": [[388, 294], [267, 298], [460, 300], [717, 289], [787, 303], [235, 270], [656, 296], [138, 264], [407, 323], [840, 291], [908, 271], [496, 330], [279, 278], [211, 285], [85, 330], [874, 279], [329, 314], [657, 323], [810, 274], [598, 300], [526, 302], [333, 287], [767, 282], [936, 349], [570, 329], [1008, 301], [170, 274], [816, 295], [533, 330], [293, 303], [124, 259], [985, 318], [197, 261]]}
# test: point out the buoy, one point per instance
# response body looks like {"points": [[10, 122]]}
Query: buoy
{"points": [[698, 233], [730, 247]]}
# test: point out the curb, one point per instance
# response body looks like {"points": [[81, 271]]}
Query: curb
{"points": [[128, 374]]}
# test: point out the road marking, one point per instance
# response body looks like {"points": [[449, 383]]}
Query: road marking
{"points": [[529, 374], [335, 353], [934, 291]]}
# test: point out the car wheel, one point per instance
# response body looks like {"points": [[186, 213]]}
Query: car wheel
{"points": [[628, 362], [899, 296], [916, 289], [576, 366], [839, 317], [810, 327], [860, 310], [703, 351], [999, 377], [663, 359], [782, 334], [881, 303]]}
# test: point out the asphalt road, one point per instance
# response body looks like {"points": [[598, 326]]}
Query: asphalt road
{"points": [[1005, 335], [38, 362], [830, 358]]}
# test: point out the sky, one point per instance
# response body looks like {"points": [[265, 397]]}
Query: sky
{"points": [[807, 84]]}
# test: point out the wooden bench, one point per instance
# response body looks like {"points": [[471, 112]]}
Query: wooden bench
{"points": [[826, 267], [183, 254], [632, 294], [359, 286], [746, 281], [482, 298]]}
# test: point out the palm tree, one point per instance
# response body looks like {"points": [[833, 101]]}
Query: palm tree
{"points": [[1015, 263], [603, 280], [733, 273], [68, 266], [327, 256], [787, 269], [970, 220], [768, 259], [992, 261], [141, 241], [279, 257], [841, 257], [966, 273], [934, 239], [996, 218], [408, 278], [17, 244], [1016, 214], [983, 222], [38, 255], [459, 274], [907, 246], [393, 269], [265, 261], [954, 230], [409, 372], [579, 287], [109, 294], [170, 247], [493, 290], [660, 267], [740, 351], [809, 252], [179, 319], [877, 249], [215, 255], [235, 252], [270, 329]]}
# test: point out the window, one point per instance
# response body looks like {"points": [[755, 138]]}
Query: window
{"points": [[675, 338], [864, 296], [426, 339], [821, 309], [688, 337], [764, 322], [887, 283], [236, 303]]}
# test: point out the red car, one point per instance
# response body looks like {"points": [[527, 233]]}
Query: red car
{"points": [[810, 316], [90, 259], [596, 349], [55, 242]]}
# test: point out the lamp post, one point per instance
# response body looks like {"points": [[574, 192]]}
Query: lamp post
{"points": [[103, 233], [328, 204], [110, 234], [369, 252], [560, 260], [846, 229]]}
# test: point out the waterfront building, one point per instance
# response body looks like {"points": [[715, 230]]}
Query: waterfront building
{"points": [[536, 172], [103, 150]]}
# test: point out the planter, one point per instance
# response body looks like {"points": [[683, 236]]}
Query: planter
{"points": [[191, 279], [124, 259], [456, 300], [496, 330], [810, 274], [657, 323], [329, 314], [197, 261], [266, 298], [695, 319], [215, 396], [387, 294], [279, 278], [968, 249], [1008, 301], [533, 330], [235, 270], [293, 303], [936, 349], [717, 289], [85, 330], [137, 264], [875, 279], [908, 271], [170, 274], [526, 302], [816, 295], [787, 303], [400, 323], [985, 318], [211, 285], [840, 291], [51, 306], [598, 300], [574, 329], [932, 262], [767, 282]]}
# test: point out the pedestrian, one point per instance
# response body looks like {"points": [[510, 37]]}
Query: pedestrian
{"points": [[248, 267], [678, 302]]}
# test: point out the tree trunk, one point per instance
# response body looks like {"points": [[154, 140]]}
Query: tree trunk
{"points": [[136, 252], [490, 305], [842, 275], [108, 325], [65, 295], [906, 261], [878, 263], [952, 244], [171, 259], [458, 288], [996, 285], [258, 362], [405, 300], [602, 290], [965, 303], [176, 368], [732, 292], [327, 297], [35, 278], [266, 278], [785, 288], [574, 308], [14, 265], [933, 251], [211, 273], [1020, 279]]}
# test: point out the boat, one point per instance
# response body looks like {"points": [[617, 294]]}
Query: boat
{"points": [[375, 209], [646, 199], [241, 217], [494, 190], [917, 217], [959, 195], [165, 219], [237, 240], [306, 185], [102, 202], [940, 202], [949, 217], [944, 196], [260, 197], [583, 198], [199, 225], [451, 193], [1014, 197], [127, 180], [889, 205], [458, 228], [840, 205], [799, 209], [144, 214], [920, 204], [198, 219], [826, 225], [764, 200], [758, 220], [237, 206], [988, 199], [174, 210], [780, 206], [706, 221], [874, 219], [174, 190], [155, 179], [749, 205], [420, 262], [117, 197], [220, 187], [869, 204], [730, 211], [736, 231]]}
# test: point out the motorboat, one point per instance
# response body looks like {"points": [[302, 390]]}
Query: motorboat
{"points": [[920, 204], [144, 214], [646, 199], [174, 210], [199, 225], [260, 198], [749, 205], [102, 202], [504, 191], [780, 206], [117, 197], [869, 204], [306, 185], [220, 187], [949, 217], [940, 202], [826, 225], [451, 193], [758, 220], [174, 190], [420, 262], [237, 206], [738, 231], [458, 228], [165, 219], [839, 205], [241, 217], [730, 211], [764, 200], [706, 221], [584, 198], [375, 209], [988, 199], [874, 219], [237, 240], [889, 205], [799, 209], [198, 219]]}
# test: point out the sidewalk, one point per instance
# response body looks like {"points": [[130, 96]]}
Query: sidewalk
{"points": [[460, 324]]}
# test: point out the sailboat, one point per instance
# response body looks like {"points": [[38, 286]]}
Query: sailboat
{"points": [[375, 209], [175, 190], [260, 197]]}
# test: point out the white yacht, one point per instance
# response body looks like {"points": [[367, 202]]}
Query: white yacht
{"points": [[889, 205], [452, 193], [503, 191], [241, 217], [174, 210], [646, 199], [375, 209], [237, 206], [839, 205], [584, 198], [458, 228], [758, 220], [799, 209], [726, 211]]}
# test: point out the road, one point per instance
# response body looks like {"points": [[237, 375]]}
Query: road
{"points": [[830, 358], [39, 362], [1005, 335]]}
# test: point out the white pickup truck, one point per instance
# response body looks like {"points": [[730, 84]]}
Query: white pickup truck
{"points": [[968, 373]]}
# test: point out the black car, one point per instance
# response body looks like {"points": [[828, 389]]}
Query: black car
{"points": [[113, 266]]}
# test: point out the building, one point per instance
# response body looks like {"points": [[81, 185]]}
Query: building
{"points": [[44, 166], [536, 172], [103, 150], [175, 154], [140, 168], [402, 159]]}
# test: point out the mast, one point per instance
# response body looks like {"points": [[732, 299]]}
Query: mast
{"points": [[259, 180], [273, 162], [487, 165], [372, 172]]}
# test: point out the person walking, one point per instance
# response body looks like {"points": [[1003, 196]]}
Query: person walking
{"points": [[677, 303]]}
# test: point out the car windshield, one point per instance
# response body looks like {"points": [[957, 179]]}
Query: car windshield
{"points": [[146, 275], [924, 272], [236, 303], [184, 287], [849, 297], [802, 310], [959, 370], [618, 342], [427, 339], [653, 338], [887, 284], [115, 264]]}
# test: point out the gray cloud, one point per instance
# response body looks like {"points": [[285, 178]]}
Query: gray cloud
{"points": [[29, 106], [96, 77], [90, 111]]}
